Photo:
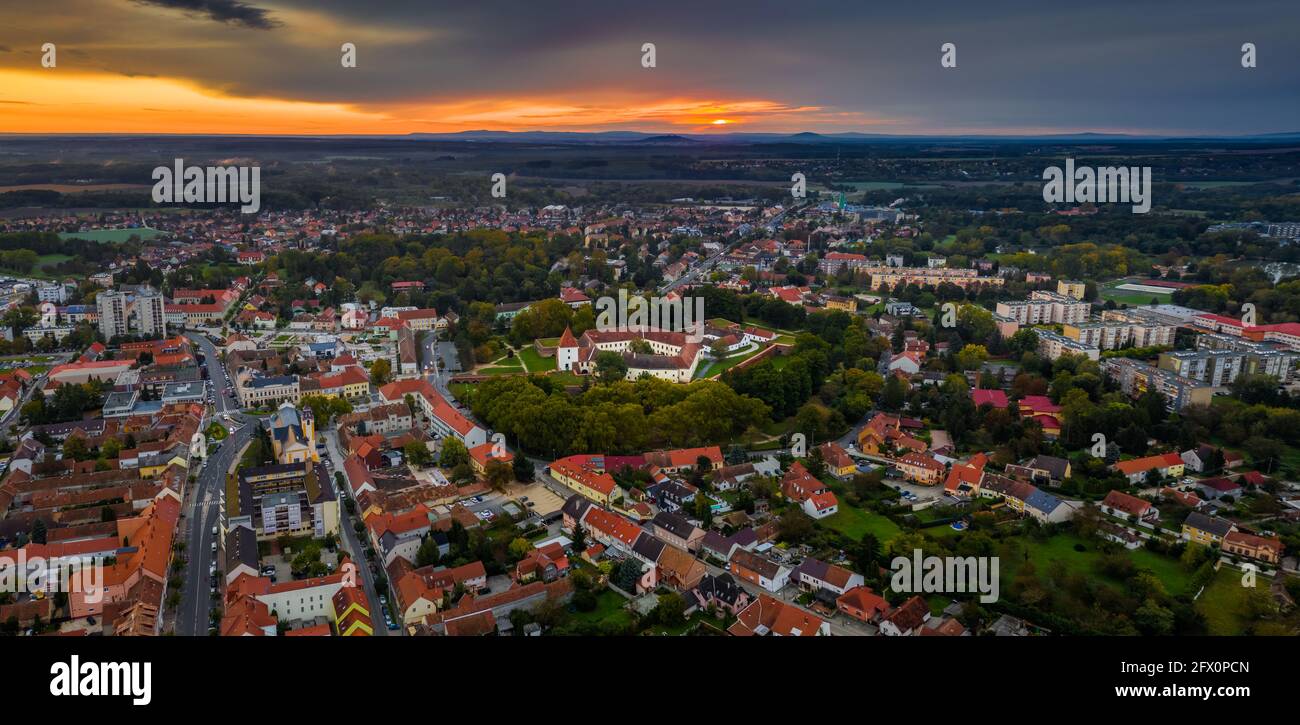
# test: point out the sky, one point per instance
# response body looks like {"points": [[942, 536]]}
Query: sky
{"points": [[273, 66]]}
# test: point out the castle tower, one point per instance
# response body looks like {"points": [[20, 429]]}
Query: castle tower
{"points": [[566, 352]]}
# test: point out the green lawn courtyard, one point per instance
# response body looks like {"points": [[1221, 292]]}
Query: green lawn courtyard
{"points": [[854, 522]]}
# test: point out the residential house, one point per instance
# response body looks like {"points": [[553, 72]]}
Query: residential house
{"points": [[963, 480], [1264, 548], [721, 592], [1118, 503], [1206, 530], [1219, 488], [812, 495], [758, 570], [1204, 458], [677, 530], [907, 619], [769, 616], [813, 575], [838, 462], [862, 604], [685, 460], [1138, 469], [920, 468]]}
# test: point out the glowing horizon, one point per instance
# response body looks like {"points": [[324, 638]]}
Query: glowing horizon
{"points": [[274, 67], [37, 102]]}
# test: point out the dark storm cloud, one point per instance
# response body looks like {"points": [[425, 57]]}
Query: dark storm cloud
{"points": [[1099, 65], [232, 12]]}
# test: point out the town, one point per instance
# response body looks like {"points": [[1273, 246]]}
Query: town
{"points": [[414, 421]]}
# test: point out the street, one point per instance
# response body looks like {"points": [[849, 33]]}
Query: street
{"points": [[202, 503], [202, 506], [349, 540]]}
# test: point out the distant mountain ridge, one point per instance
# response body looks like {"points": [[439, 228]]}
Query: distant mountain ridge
{"points": [[693, 139], [811, 137]]}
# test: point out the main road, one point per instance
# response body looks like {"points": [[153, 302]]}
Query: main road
{"points": [[202, 504], [202, 510]]}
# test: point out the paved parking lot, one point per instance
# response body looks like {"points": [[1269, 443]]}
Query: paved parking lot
{"points": [[923, 493], [545, 501]]}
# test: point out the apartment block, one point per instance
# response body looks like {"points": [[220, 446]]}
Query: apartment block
{"points": [[1071, 288], [1212, 367], [1052, 346], [833, 262], [116, 309], [927, 277], [1135, 378], [1261, 358], [1111, 334], [112, 313], [1045, 307], [295, 499]]}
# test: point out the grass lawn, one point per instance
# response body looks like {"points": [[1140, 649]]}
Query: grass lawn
{"points": [[1224, 600], [854, 522], [717, 367], [940, 532], [609, 605], [780, 427], [566, 378], [501, 370], [534, 362], [700, 617], [777, 361], [1061, 548], [218, 432], [1108, 291]]}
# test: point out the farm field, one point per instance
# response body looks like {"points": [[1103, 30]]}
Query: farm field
{"points": [[111, 235]]}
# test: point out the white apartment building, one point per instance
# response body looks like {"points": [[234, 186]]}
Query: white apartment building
{"points": [[1044, 307], [149, 312], [1052, 346], [1110, 334], [112, 313], [116, 309]]}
